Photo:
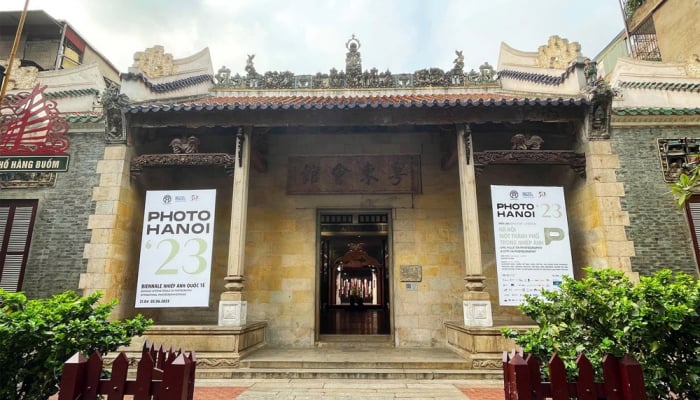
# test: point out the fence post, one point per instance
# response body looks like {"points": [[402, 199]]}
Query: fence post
{"points": [[193, 369], [175, 378], [144, 376], [585, 384], [611, 378], [519, 377], [117, 382], [92, 377], [72, 377], [632, 379], [506, 381], [533, 364], [557, 377]]}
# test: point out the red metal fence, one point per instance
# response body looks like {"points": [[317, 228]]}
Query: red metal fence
{"points": [[160, 375], [622, 379]]}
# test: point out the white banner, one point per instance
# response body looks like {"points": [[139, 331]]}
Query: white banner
{"points": [[176, 249], [531, 234]]}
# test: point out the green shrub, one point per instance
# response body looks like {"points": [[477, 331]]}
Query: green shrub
{"points": [[38, 336], [656, 321]]}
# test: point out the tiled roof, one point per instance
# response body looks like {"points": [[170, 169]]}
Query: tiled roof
{"points": [[83, 117], [673, 86], [656, 111], [168, 86], [538, 78], [352, 102], [72, 93]]}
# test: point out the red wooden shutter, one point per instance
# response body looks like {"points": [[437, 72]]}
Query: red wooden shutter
{"points": [[692, 208], [16, 225]]}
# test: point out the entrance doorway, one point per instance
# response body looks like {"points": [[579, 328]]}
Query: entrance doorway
{"points": [[354, 289]]}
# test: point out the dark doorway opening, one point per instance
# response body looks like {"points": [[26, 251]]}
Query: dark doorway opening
{"points": [[354, 274]]}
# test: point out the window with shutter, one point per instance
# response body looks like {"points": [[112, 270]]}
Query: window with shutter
{"points": [[16, 225], [692, 207]]}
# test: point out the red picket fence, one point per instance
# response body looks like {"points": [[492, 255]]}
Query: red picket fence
{"points": [[622, 379], [160, 375]]}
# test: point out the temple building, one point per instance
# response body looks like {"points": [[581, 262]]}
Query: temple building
{"points": [[353, 202], [239, 209]]}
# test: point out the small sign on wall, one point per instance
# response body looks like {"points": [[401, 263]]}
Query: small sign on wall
{"points": [[411, 273]]}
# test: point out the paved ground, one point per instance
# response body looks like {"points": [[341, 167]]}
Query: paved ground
{"points": [[322, 389], [327, 389]]}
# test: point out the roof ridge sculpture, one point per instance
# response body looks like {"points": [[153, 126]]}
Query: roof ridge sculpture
{"points": [[354, 78]]}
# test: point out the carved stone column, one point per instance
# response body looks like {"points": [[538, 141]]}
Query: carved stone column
{"points": [[476, 302], [233, 306]]}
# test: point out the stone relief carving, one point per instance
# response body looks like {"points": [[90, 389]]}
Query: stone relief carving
{"points": [[590, 71], [557, 53], [21, 77], [459, 63], [249, 67], [601, 106], [522, 142], [692, 66], [154, 62], [25, 180], [112, 104], [486, 364], [353, 60], [186, 146]]}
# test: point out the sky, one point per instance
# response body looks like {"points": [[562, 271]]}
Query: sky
{"points": [[309, 36]]}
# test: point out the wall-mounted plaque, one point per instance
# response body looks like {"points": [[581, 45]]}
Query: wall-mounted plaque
{"points": [[411, 273], [349, 174]]}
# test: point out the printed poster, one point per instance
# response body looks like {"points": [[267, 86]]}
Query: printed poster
{"points": [[176, 249], [531, 233]]}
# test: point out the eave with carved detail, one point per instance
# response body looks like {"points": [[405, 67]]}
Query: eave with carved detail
{"points": [[618, 120], [154, 161], [577, 161]]}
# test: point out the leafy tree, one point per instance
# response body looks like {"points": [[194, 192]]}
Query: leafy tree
{"points": [[38, 336], [686, 186], [656, 321]]}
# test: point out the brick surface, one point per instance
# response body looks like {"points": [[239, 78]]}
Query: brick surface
{"points": [[60, 232], [483, 393], [658, 228]]}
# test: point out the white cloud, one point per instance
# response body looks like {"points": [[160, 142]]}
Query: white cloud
{"points": [[307, 36]]}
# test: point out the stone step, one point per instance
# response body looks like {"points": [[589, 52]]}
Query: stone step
{"points": [[361, 364], [364, 373], [355, 341]]}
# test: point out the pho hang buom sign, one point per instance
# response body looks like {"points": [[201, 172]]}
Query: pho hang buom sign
{"points": [[176, 249], [532, 240]]}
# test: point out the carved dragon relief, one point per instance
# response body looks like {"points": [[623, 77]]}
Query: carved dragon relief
{"points": [[527, 149], [185, 154]]}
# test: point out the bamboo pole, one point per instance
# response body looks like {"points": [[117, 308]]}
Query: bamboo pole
{"points": [[18, 35]]}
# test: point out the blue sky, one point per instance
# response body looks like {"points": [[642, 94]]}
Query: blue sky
{"points": [[309, 36]]}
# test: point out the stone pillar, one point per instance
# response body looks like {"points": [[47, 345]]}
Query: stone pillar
{"points": [[476, 302], [233, 306]]}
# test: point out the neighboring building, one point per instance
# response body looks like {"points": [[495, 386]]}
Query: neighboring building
{"points": [[49, 44], [662, 30], [51, 112], [654, 127]]}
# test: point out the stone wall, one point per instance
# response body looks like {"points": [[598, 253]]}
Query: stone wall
{"points": [[659, 229], [113, 250], [282, 254], [60, 231]]}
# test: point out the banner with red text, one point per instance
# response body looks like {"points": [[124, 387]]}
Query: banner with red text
{"points": [[176, 249], [531, 235]]}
